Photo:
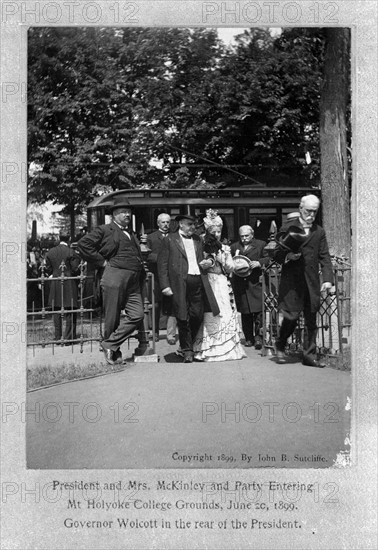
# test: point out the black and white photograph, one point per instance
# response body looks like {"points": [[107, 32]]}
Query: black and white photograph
{"points": [[189, 247], [188, 274]]}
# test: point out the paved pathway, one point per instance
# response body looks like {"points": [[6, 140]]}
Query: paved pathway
{"points": [[236, 414]]}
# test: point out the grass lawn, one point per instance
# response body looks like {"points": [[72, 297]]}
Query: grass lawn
{"points": [[46, 375]]}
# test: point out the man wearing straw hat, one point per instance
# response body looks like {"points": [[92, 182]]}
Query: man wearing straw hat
{"points": [[115, 248], [302, 248]]}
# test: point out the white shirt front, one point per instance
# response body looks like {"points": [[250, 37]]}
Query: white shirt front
{"points": [[306, 226], [190, 250]]}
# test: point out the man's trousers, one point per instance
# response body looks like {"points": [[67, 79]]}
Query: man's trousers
{"points": [[252, 325], [290, 322], [189, 327], [121, 291], [70, 322]]}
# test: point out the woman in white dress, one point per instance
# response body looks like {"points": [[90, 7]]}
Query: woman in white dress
{"points": [[218, 338]]}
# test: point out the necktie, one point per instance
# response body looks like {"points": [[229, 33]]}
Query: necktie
{"points": [[186, 236]]}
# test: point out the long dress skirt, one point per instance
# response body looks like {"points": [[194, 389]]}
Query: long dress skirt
{"points": [[218, 338]]}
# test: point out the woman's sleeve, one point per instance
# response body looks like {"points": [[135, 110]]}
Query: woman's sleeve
{"points": [[227, 260]]}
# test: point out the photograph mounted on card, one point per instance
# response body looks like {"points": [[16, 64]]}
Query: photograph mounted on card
{"points": [[146, 145], [188, 353]]}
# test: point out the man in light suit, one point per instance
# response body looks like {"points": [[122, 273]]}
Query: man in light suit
{"points": [[182, 275], [248, 290], [115, 248], [154, 243], [62, 259], [300, 288]]}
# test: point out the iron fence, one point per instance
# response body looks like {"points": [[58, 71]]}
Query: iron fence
{"points": [[83, 315], [333, 318]]}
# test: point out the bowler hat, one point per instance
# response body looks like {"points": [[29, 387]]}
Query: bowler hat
{"points": [[120, 202], [292, 239], [185, 217], [242, 266]]}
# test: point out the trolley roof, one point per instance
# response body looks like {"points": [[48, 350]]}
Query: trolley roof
{"points": [[260, 195]]}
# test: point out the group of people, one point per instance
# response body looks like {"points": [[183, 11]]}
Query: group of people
{"points": [[202, 283]]}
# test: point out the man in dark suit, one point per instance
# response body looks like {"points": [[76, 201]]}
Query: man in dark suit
{"points": [[115, 248], [181, 275], [62, 259], [154, 243], [300, 288], [248, 290]]}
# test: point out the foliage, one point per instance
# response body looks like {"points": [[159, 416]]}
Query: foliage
{"points": [[269, 103], [103, 102]]}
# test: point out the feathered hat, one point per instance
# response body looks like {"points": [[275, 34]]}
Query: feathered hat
{"points": [[212, 219]]}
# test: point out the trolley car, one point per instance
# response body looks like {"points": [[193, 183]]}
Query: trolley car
{"points": [[255, 206]]}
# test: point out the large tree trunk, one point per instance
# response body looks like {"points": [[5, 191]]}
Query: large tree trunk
{"points": [[333, 141], [334, 167]]}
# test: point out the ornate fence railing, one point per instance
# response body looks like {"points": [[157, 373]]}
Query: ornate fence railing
{"points": [[85, 313], [333, 318]]}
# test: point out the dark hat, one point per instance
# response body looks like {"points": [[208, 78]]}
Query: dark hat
{"points": [[120, 202], [185, 217], [292, 239]]}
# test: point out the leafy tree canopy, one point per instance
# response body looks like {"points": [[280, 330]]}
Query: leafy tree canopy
{"points": [[103, 102]]}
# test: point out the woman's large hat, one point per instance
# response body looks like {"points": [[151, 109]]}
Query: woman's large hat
{"points": [[242, 266], [212, 219], [292, 239]]}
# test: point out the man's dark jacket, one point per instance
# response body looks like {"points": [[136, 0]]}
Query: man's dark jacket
{"points": [[102, 244], [248, 290], [173, 266], [299, 275], [155, 242], [54, 258]]}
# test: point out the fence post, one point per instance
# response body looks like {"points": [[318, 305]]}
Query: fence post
{"points": [[269, 308], [339, 312], [43, 288], [265, 347], [144, 353], [82, 280]]}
